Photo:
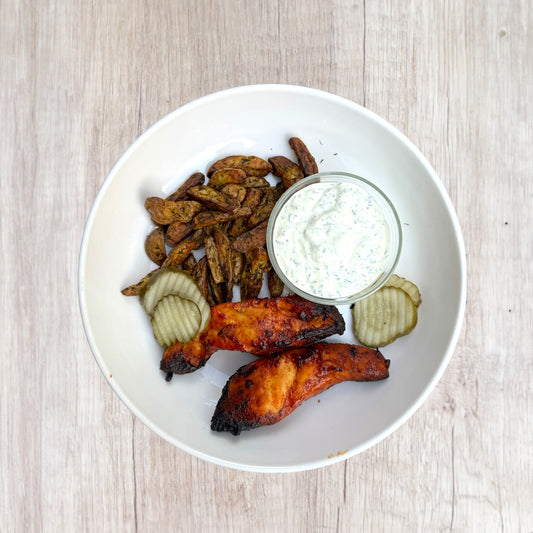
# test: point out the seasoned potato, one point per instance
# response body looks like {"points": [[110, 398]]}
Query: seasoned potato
{"points": [[252, 165], [251, 239], [275, 285], [189, 263], [287, 170], [154, 246], [213, 218], [225, 176], [305, 159], [212, 258], [179, 253], [181, 193], [200, 275], [255, 182], [223, 247], [237, 260], [214, 199], [257, 264], [164, 212], [235, 191], [251, 200], [177, 231], [137, 288], [263, 210]]}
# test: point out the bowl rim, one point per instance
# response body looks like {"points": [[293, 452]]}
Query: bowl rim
{"points": [[389, 213]]}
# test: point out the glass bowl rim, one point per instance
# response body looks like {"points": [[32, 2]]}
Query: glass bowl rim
{"points": [[389, 212]]}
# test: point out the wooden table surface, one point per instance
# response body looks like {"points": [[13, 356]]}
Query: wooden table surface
{"points": [[81, 80]]}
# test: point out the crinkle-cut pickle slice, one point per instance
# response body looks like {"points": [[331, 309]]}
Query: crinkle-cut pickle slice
{"points": [[384, 316], [170, 280], [407, 286], [175, 319]]}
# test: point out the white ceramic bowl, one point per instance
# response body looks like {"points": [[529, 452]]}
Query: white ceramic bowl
{"points": [[343, 136]]}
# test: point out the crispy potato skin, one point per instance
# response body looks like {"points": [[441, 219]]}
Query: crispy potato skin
{"points": [[267, 390], [305, 158], [179, 253], [154, 246], [252, 165], [181, 194], [251, 239], [213, 199], [260, 326], [275, 285], [285, 169], [256, 265], [226, 176], [164, 212], [136, 288]]}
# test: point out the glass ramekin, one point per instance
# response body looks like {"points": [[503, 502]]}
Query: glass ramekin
{"points": [[390, 216]]}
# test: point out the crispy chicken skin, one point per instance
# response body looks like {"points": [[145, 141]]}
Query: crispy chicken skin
{"points": [[268, 389], [260, 326]]}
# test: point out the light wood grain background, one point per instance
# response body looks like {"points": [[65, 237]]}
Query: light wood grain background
{"points": [[81, 80]]}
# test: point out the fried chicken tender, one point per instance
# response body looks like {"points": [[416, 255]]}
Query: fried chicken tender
{"points": [[260, 326], [267, 390]]}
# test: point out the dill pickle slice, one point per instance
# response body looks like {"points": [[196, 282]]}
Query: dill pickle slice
{"points": [[171, 280], [408, 286], [384, 316], [175, 319]]}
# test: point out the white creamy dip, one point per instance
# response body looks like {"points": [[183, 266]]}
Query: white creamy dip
{"points": [[331, 240]]}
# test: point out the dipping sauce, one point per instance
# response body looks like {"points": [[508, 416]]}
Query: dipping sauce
{"points": [[331, 240]]}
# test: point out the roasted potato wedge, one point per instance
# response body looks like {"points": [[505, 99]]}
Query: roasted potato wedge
{"points": [[200, 275], [212, 218], [251, 239], [137, 288], [305, 158], [252, 165], [251, 200], [154, 246], [235, 190], [275, 285], [257, 264], [263, 209], [189, 263], [223, 247], [255, 182], [225, 176], [213, 259], [181, 193], [179, 253], [213, 199], [237, 260], [164, 212], [287, 170], [177, 231], [217, 292]]}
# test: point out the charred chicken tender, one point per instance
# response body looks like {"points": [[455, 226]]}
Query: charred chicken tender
{"points": [[260, 326], [267, 390]]}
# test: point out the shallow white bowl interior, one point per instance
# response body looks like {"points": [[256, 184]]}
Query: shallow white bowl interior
{"points": [[343, 136]]}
